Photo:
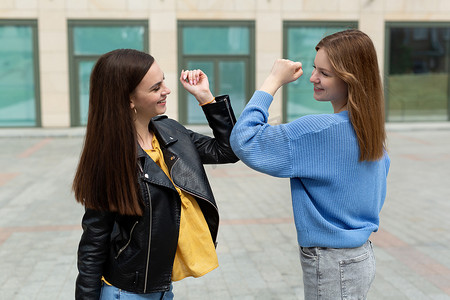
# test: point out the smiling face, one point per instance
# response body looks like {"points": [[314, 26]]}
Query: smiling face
{"points": [[327, 85], [149, 97]]}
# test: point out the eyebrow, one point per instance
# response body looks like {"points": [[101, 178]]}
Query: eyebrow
{"points": [[155, 86], [322, 69]]}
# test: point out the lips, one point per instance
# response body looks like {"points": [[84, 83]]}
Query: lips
{"points": [[162, 101]]}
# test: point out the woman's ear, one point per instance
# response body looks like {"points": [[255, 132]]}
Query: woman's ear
{"points": [[131, 102]]}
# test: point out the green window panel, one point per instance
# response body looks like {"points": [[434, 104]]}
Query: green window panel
{"points": [[210, 40], [234, 82], [91, 40], [88, 40], [84, 73], [231, 80], [19, 103], [417, 81], [193, 111], [224, 51], [301, 40]]}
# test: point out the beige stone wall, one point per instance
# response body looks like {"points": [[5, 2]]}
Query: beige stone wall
{"points": [[52, 16]]}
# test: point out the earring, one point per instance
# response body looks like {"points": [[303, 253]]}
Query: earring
{"points": [[135, 111]]}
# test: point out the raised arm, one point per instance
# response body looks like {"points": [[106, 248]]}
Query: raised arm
{"points": [[261, 146], [283, 72], [220, 116]]}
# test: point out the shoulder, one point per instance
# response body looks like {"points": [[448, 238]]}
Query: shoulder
{"points": [[326, 120], [320, 124], [165, 125], [163, 120]]}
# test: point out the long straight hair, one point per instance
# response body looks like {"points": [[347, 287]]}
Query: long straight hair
{"points": [[106, 178], [354, 60]]}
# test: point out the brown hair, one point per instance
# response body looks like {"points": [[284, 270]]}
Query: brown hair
{"points": [[354, 60], [106, 177]]}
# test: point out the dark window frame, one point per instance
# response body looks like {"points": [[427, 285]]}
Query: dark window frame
{"points": [[182, 59], [74, 59], [387, 58]]}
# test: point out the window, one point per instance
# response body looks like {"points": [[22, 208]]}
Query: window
{"points": [[88, 40], [300, 42], [417, 67], [19, 81], [224, 51]]}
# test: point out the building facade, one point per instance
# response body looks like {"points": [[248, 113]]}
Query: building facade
{"points": [[48, 47]]}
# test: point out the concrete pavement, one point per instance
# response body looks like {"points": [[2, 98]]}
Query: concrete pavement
{"points": [[258, 253]]}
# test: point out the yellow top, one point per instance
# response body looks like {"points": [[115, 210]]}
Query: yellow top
{"points": [[196, 254]]}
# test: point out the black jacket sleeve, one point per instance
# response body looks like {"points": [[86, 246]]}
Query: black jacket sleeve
{"points": [[221, 119], [93, 252]]}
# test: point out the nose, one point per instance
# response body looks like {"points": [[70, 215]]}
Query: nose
{"points": [[166, 89], [314, 78]]}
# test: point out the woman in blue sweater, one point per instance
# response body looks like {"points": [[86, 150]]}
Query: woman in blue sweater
{"points": [[337, 163]]}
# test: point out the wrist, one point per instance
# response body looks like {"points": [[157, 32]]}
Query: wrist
{"points": [[205, 98], [270, 85], [213, 100]]}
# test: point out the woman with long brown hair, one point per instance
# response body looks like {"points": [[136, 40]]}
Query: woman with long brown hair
{"points": [[337, 163], [150, 216]]}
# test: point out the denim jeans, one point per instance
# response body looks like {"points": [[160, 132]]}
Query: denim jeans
{"points": [[110, 292], [330, 273]]}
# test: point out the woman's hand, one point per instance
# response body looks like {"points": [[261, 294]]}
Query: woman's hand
{"points": [[196, 82], [283, 71]]}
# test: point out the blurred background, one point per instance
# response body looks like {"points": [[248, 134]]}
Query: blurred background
{"points": [[48, 48]]}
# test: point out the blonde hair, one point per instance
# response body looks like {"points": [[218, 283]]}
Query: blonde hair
{"points": [[354, 60]]}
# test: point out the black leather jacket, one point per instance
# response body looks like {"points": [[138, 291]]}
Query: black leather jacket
{"points": [[137, 253]]}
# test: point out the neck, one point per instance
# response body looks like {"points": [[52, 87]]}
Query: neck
{"points": [[144, 136], [339, 108]]}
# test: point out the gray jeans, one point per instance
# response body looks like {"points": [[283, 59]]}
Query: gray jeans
{"points": [[330, 273]]}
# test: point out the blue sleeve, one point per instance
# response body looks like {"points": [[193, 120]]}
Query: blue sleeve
{"points": [[388, 162], [259, 145]]}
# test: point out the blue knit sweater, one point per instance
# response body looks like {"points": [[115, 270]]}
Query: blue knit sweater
{"points": [[336, 199]]}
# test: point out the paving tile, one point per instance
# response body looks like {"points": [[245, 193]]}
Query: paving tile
{"points": [[258, 252]]}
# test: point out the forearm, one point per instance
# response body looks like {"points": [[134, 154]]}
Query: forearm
{"points": [[270, 85], [92, 252], [221, 120], [259, 145]]}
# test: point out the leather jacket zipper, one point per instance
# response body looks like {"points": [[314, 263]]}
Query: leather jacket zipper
{"points": [[129, 240], [149, 231], [227, 104], [149, 238]]}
